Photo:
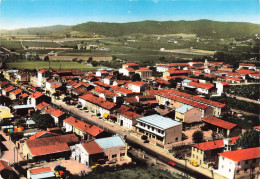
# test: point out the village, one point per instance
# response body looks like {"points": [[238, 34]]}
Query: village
{"points": [[60, 123]]}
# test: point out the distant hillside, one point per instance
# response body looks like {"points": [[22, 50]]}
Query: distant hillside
{"points": [[200, 27], [36, 30]]}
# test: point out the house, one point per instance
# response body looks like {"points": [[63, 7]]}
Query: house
{"points": [[52, 83], [137, 86], [125, 117], [43, 172], [101, 73], [97, 105], [222, 87], [159, 129], [188, 114], [38, 97], [204, 88], [121, 91], [15, 93], [7, 90], [42, 76], [41, 106], [24, 109], [6, 171], [47, 148], [241, 163], [56, 114], [206, 152], [83, 129], [162, 67], [109, 149], [225, 128], [128, 69], [145, 73], [249, 66], [175, 73], [23, 98]]}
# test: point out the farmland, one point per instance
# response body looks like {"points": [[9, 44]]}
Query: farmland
{"points": [[40, 44], [55, 65], [11, 44]]}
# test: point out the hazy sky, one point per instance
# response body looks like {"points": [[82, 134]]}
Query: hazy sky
{"points": [[32, 13]]}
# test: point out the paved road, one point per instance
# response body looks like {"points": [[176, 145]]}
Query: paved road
{"points": [[160, 153]]}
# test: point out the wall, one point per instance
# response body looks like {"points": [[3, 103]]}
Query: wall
{"points": [[172, 133]]}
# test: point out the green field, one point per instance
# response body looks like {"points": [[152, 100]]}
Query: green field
{"points": [[40, 44], [55, 65], [11, 44]]}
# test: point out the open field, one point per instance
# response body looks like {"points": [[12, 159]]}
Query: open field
{"points": [[20, 36], [11, 44], [55, 65], [40, 44], [192, 51]]}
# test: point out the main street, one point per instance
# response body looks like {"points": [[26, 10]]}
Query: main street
{"points": [[157, 152]]}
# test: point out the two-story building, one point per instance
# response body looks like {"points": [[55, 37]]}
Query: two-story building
{"points": [[159, 129]]}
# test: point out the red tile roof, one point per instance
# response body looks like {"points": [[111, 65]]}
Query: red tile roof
{"points": [[39, 170], [242, 154], [80, 91], [201, 85], [4, 165], [120, 90], [245, 72], [130, 69], [43, 70], [36, 95], [57, 113], [83, 126], [107, 93], [136, 83], [224, 83], [49, 145], [131, 100], [9, 88], [144, 69], [39, 134], [178, 71], [99, 83], [92, 147], [161, 81], [178, 64], [56, 85], [214, 144], [24, 95], [98, 101], [41, 105], [219, 122], [131, 64], [257, 127], [247, 64], [17, 91]]}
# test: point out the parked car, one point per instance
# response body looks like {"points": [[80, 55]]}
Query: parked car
{"points": [[194, 163], [171, 163], [96, 165]]}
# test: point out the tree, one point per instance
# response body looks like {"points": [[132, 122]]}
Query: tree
{"points": [[197, 136], [249, 139], [46, 58], [43, 121], [136, 77], [90, 59], [94, 63]]}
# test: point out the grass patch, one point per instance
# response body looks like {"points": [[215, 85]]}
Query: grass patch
{"points": [[247, 91], [55, 65], [11, 44], [41, 44]]}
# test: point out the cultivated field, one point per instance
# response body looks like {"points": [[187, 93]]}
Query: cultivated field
{"points": [[79, 57], [11, 44], [55, 65], [40, 44], [191, 51]]}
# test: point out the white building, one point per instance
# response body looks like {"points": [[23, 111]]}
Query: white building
{"points": [[159, 129], [241, 163]]}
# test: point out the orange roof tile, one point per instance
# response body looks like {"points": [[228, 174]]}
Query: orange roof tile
{"points": [[131, 64], [178, 71], [49, 145], [39, 170], [144, 69], [242, 154], [83, 126], [17, 91], [201, 85], [92, 147], [56, 85], [9, 88], [130, 69], [131, 99], [219, 122], [41, 105], [4, 165], [214, 144], [120, 90], [39, 134], [98, 101], [36, 95]]}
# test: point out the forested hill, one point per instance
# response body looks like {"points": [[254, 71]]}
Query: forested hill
{"points": [[200, 27]]}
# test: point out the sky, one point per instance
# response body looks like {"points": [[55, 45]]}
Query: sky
{"points": [[37, 13]]}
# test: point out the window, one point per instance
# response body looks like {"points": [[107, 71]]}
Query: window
{"points": [[122, 154], [254, 160], [222, 166], [159, 131], [152, 128], [238, 163], [148, 127], [114, 156], [229, 170], [245, 170], [253, 168], [237, 171], [246, 162], [176, 139]]}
